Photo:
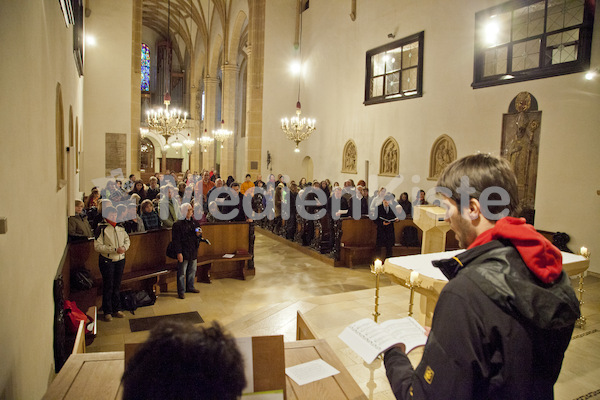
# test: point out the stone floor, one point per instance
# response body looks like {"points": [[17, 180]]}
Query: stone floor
{"points": [[331, 298]]}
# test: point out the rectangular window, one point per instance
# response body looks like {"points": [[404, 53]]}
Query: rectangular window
{"points": [[531, 39], [395, 71]]}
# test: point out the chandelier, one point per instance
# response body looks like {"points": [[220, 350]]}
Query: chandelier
{"points": [[189, 142], [205, 141], [297, 129], [222, 134], [167, 122]]}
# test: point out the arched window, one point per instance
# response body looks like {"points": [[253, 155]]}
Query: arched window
{"points": [[145, 68], [146, 155]]}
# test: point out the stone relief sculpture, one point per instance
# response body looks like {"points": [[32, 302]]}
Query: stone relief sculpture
{"points": [[520, 146], [349, 157], [443, 152], [389, 159]]}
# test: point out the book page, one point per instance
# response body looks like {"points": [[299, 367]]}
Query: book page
{"points": [[245, 346], [407, 331], [368, 339]]}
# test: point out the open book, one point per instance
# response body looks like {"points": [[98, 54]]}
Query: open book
{"points": [[368, 339], [389, 220]]}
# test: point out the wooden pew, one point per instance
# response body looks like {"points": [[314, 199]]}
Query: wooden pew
{"points": [[235, 238], [147, 263], [358, 241]]}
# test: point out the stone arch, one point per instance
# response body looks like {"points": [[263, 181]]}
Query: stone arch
{"points": [[239, 25], [349, 157], [61, 168], [443, 152], [389, 158]]}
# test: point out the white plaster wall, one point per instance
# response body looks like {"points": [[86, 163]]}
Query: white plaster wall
{"points": [[107, 93], [334, 50], [37, 54]]}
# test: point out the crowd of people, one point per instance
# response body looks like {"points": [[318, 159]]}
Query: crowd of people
{"points": [[148, 206]]}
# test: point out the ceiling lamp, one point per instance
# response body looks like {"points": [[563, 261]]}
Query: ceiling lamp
{"points": [[176, 143], [205, 141], [222, 134], [166, 122], [189, 142], [298, 129]]}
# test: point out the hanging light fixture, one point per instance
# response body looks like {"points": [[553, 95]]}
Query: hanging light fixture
{"points": [[189, 142], [222, 134], [205, 141], [166, 122], [297, 128]]}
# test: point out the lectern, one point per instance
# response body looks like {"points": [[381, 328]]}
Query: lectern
{"points": [[431, 221]]}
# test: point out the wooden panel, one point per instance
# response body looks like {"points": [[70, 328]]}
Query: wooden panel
{"points": [[303, 329], [340, 386], [268, 363]]}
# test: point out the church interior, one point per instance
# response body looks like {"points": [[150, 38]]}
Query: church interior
{"points": [[395, 90]]}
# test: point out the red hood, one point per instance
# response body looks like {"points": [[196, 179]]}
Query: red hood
{"points": [[540, 256]]}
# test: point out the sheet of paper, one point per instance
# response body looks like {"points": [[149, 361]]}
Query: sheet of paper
{"points": [[271, 395], [245, 346], [228, 255], [422, 263], [310, 371]]}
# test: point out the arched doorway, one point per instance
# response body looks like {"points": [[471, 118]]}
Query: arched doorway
{"points": [[307, 168], [147, 159]]}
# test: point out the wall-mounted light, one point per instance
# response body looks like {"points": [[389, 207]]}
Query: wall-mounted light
{"points": [[591, 74]]}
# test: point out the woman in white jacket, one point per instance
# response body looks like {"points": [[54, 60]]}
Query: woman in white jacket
{"points": [[111, 241]]}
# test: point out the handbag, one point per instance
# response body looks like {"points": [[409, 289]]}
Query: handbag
{"points": [[171, 251], [73, 315]]}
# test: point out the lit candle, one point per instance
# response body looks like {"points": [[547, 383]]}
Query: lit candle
{"points": [[584, 251], [378, 266], [414, 275]]}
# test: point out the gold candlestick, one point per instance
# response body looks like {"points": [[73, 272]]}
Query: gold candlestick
{"points": [[581, 321], [377, 269], [413, 282]]}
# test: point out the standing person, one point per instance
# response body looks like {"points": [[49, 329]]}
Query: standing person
{"points": [[505, 318], [406, 204], [259, 179], [111, 241], [130, 184], [79, 226], [153, 189], [186, 238], [247, 184], [386, 236]]}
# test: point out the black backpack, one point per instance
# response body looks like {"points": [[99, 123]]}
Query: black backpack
{"points": [[128, 302], [81, 279]]}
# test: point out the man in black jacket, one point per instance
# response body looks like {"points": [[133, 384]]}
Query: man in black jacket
{"points": [[505, 318], [186, 238]]}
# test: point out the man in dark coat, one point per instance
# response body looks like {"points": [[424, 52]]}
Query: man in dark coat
{"points": [[505, 318], [186, 238], [385, 226]]}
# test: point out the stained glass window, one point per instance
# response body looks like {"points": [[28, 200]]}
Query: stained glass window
{"points": [[145, 68]]}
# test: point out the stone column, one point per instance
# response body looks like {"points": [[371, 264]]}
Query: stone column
{"points": [[230, 73], [254, 92], [210, 96], [136, 100]]}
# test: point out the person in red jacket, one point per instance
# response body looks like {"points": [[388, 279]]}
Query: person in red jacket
{"points": [[505, 318]]}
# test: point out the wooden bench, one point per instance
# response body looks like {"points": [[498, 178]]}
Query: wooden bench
{"points": [[359, 237]]}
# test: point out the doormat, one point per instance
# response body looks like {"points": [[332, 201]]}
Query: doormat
{"points": [[145, 324]]}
